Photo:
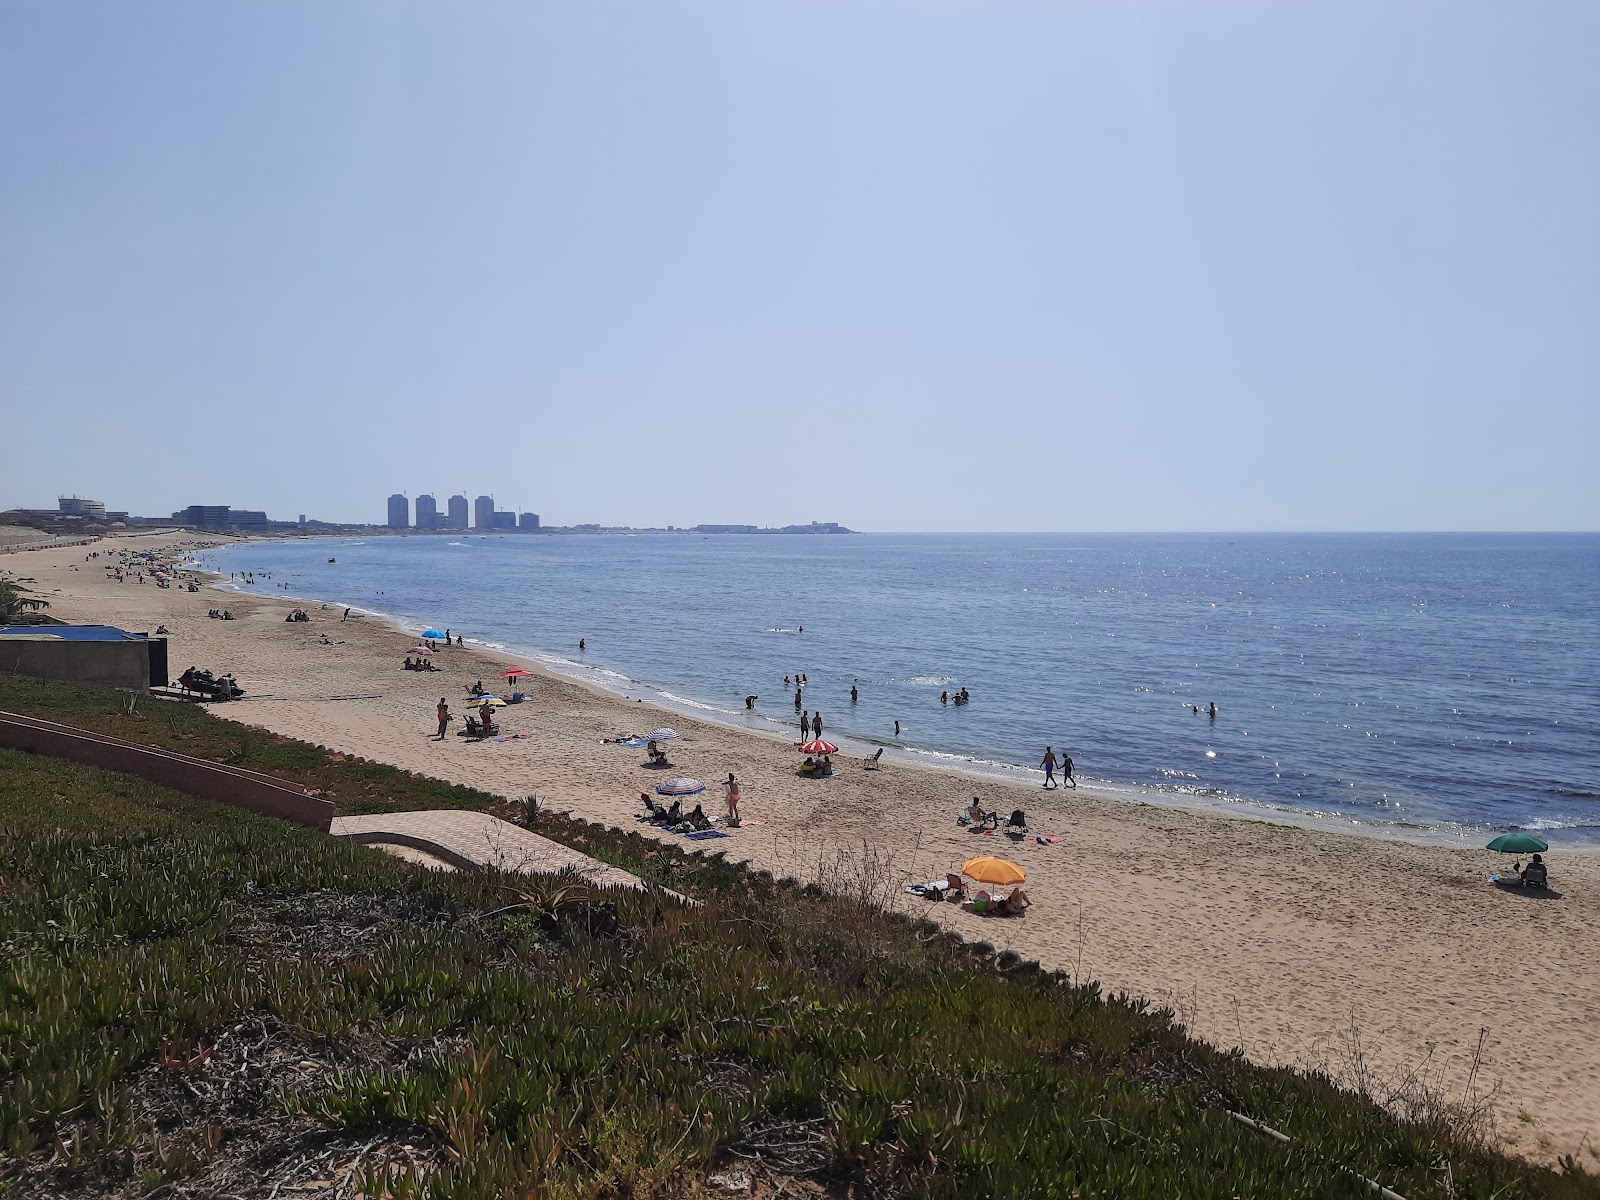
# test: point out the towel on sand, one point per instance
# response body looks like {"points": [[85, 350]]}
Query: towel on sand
{"points": [[704, 834]]}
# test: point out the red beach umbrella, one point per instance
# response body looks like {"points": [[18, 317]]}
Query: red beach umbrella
{"points": [[514, 673], [818, 746]]}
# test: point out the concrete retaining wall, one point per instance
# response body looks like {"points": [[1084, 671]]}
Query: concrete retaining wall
{"points": [[191, 776], [114, 664]]}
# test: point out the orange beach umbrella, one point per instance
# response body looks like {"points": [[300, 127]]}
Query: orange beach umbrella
{"points": [[993, 870], [514, 673]]}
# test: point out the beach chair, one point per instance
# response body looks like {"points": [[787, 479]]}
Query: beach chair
{"points": [[1536, 875], [872, 761], [1018, 823]]}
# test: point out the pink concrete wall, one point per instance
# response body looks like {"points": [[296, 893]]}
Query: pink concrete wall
{"points": [[191, 776]]}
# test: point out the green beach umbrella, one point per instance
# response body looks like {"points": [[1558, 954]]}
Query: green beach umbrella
{"points": [[1518, 843]]}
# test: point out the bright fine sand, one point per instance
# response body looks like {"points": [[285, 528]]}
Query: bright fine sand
{"points": [[1283, 941]]}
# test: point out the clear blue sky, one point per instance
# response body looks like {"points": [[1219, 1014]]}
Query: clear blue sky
{"points": [[908, 264]]}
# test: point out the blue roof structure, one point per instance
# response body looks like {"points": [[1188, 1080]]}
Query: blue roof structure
{"points": [[73, 633]]}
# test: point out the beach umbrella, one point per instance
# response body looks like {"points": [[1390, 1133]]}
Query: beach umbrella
{"points": [[818, 746], [993, 870], [419, 650], [486, 702], [514, 673], [680, 787], [433, 633], [663, 735], [1518, 843]]}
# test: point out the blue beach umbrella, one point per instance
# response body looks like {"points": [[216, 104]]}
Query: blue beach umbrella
{"points": [[680, 787], [433, 633]]}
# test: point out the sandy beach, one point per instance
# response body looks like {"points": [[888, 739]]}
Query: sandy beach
{"points": [[1290, 943]]}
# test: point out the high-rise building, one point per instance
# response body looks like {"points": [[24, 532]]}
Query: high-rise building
{"points": [[483, 512], [427, 512], [399, 511], [502, 520], [528, 521], [458, 512]]}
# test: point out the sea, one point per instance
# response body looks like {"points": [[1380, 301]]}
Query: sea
{"points": [[1424, 686]]}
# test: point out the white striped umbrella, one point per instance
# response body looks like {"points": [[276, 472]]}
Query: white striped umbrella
{"points": [[680, 787]]}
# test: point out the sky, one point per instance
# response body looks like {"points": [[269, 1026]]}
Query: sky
{"points": [[903, 264]]}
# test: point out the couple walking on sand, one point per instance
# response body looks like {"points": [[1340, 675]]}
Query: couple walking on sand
{"points": [[1049, 764]]}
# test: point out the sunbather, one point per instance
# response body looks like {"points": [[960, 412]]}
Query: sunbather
{"points": [[1012, 905], [976, 815]]}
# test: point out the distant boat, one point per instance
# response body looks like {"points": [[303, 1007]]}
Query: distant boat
{"points": [[333, 560]]}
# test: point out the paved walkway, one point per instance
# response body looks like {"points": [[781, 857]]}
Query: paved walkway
{"points": [[467, 838]]}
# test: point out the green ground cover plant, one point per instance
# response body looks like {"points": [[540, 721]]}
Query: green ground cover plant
{"points": [[198, 1001]]}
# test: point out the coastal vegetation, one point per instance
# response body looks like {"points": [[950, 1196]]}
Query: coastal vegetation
{"points": [[196, 1000]]}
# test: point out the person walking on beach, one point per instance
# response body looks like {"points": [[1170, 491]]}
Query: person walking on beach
{"points": [[346, 616], [730, 792], [805, 722], [1066, 770], [443, 713], [816, 723], [1049, 765]]}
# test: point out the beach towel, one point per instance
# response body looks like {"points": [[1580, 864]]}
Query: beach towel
{"points": [[1047, 839], [704, 834], [933, 890], [635, 742]]}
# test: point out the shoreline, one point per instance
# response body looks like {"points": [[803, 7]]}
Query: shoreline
{"points": [[1446, 834], [1274, 937]]}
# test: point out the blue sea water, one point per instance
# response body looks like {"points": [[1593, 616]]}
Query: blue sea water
{"points": [[1390, 682]]}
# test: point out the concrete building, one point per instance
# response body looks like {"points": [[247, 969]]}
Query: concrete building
{"points": [[528, 522], [219, 516], [483, 512], [81, 508], [502, 520], [84, 654], [427, 512], [457, 519], [399, 511]]}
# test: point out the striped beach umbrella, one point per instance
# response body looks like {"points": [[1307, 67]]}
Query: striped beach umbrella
{"points": [[680, 787], [486, 702], [818, 746], [663, 735]]}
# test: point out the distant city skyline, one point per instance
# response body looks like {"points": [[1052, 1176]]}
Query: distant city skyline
{"points": [[1096, 266]]}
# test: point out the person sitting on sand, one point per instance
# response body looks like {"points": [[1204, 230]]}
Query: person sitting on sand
{"points": [[1012, 905], [808, 766], [697, 817], [675, 813]]}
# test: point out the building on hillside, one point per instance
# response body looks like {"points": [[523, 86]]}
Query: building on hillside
{"points": [[427, 512], [399, 511], [457, 518], [483, 512], [81, 508], [528, 522]]}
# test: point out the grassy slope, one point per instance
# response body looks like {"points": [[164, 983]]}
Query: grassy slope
{"points": [[197, 997]]}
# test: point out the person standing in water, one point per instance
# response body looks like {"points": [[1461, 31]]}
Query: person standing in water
{"points": [[805, 722], [854, 695], [1049, 765], [816, 723], [797, 700], [583, 643], [897, 729], [1066, 770]]}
